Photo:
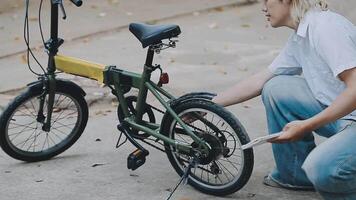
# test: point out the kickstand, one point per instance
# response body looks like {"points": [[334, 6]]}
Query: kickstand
{"points": [[184, 178], [121, 129]]}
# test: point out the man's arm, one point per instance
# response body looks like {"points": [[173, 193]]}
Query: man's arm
{"points": [[344, 104], [244, 90]]}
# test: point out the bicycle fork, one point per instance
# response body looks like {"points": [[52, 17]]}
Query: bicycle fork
{"points": [[49, 88]]}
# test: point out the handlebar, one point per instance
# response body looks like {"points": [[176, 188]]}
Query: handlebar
{"points": [[78, 3]]}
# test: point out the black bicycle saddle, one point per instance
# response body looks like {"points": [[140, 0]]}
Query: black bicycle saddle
{"points": [[153, 34]]}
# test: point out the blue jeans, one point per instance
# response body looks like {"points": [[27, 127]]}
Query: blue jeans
{"points": [[329, 167]]}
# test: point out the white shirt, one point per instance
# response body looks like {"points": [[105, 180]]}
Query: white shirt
{"points": [[323, 47]]}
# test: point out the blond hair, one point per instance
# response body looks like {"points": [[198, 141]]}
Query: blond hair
{"points": [[301, 7]]}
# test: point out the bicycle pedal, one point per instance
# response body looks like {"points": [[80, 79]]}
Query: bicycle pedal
{"points": [[136, 159]]}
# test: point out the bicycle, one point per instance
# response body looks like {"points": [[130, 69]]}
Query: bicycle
{"points": [[202, 140]]}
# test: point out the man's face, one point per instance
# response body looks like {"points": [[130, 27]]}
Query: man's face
{"points": [[277, 12]]}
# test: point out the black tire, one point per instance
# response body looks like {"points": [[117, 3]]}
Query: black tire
{"points": [[230, 129], [66, 127]]}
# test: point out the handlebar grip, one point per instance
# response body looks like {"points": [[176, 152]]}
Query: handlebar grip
{"points": [[78, 3]]}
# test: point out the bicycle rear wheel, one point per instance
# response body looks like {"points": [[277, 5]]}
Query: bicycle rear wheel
{"points": [[227, 167], [21, 133]]}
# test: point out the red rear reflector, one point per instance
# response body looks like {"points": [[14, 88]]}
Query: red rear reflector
{"points": [[164, 78]]}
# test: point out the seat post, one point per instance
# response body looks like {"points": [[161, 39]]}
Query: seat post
{"points": [[146, 76], [149, 57]]}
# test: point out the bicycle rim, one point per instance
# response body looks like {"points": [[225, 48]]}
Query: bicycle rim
{"points": [[230, 166], [25, 135]]}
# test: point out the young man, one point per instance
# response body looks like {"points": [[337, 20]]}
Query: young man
{"points": [[323, 100]]}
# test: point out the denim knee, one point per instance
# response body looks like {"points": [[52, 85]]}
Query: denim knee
{"points": [[329, 176], [318, 175], [271, 88]]}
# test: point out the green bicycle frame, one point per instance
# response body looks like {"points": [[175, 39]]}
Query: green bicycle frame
{"points": [[124, 80]]}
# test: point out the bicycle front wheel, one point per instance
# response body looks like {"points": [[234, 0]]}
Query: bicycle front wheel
{"points": [[227, 167], [21, 124]]}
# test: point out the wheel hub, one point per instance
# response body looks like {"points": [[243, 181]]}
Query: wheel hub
{"points": [[217, 149]]}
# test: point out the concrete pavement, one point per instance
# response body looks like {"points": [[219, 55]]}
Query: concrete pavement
{"points": [[218, 47]]}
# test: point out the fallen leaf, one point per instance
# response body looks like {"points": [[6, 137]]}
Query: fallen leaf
{"points": [[134, 175], [15, 6], [94, 6], [100, 94], [24, 58], [15, 16], [222, 71], [196, 13], [56, 110], [262, 38], [242, 68], [97, 165], [33, 18], [86, 40], [100, 112], [213, 25], [152, 22], [113, 1], [129, 13], [103, 14], [251, 195], [245, 26], [246, 105], [219, 9], [115, 103], [17, 38], [38, 48]]}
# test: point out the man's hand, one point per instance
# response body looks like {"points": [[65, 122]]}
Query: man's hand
{"points": [[292, 131]]}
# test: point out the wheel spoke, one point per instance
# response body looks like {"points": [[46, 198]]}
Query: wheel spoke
{"points": [[34, 115], [25, 141], [60, 131], [28, 114], [231, 163], [62, 111], [64, 117], [18, 133], [21, 125], [64, 125], [219, 163]]}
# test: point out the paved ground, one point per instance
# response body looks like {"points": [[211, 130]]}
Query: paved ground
{"points": [[222, 42]]}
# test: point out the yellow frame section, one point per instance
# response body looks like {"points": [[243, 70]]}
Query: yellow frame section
{"points": [[80, 67]]}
